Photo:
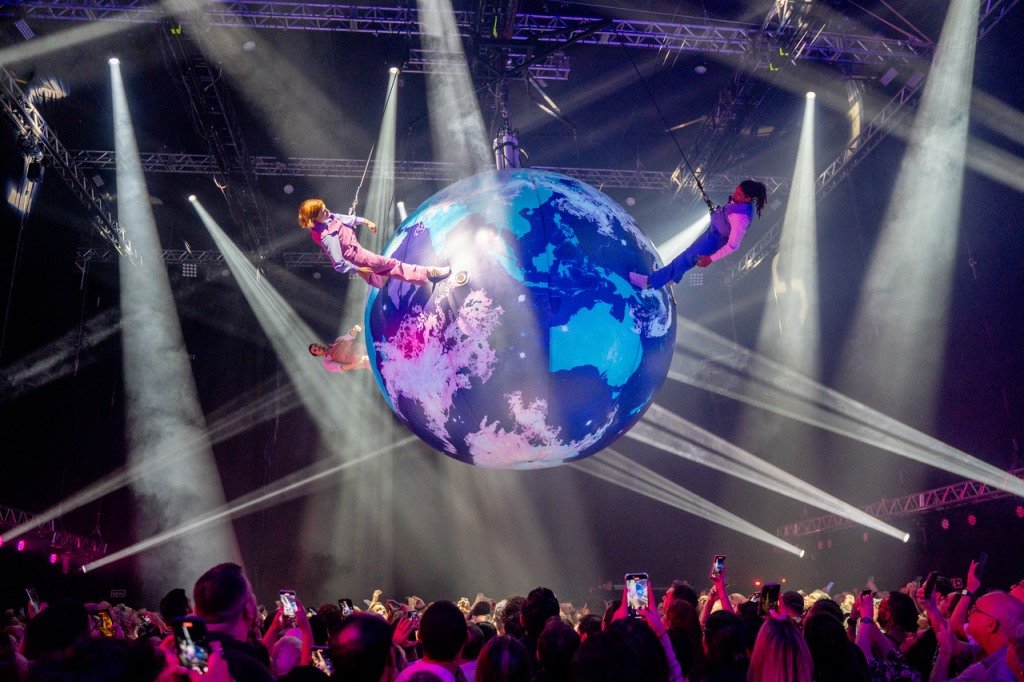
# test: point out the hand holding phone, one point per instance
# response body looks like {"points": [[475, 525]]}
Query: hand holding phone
{"points": [[191, 643], [106, 622], [929, 584], [769, 601], [289, 604], [346, 606], [717, 566], [638, 593]]}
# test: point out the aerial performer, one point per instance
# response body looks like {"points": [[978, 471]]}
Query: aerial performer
{"points": [[335, 234], [342, 355], [723, 236]]}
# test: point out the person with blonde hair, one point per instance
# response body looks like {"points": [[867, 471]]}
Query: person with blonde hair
{"points": [[780, 653], [336, 235]]}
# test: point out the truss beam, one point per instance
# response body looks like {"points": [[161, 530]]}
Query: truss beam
{"points": [[51, 538], [32, 127], [937, 499], [204, 164], [718, 37]]}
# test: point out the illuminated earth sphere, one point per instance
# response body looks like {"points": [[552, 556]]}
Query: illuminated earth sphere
{"points": [[545, 354]]}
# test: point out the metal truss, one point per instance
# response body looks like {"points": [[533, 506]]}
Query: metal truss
{"points": [[102, 255], [992, 11], [946, 497], [53, 539], [854, 152], [554, 67], [719, 37], [211, 107], [205, 164], [32, 128]]}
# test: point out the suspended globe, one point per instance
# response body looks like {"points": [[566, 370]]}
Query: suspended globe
{"points": [[537, 350]]}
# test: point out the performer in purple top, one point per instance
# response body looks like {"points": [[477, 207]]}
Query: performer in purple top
{"points": [[728, 225], [335, 234]]}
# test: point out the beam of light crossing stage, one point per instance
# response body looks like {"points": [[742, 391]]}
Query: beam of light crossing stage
{"points": [[680, 242], [667, 431], [896, 348], [456, 126], [793, 337], [61, 42], [610, 466], [53, 360], [997, 116], [380, 197], [161, 404], [346, 410], [259, 404], [761, 382], [280, 491], [326, 398]]}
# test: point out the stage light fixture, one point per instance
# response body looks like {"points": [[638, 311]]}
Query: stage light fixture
{"points": [[20, 546], [972, 520], [249, 45], [944, 524], [113, 61], [393, 70], [192, 197], [1020, 511], [189, 270], [53, 558], [811, 95], [906, 537]]}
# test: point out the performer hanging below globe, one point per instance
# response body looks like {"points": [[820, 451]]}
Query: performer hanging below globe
{"points": [[342, 355], [335, 234], [728, 225]]}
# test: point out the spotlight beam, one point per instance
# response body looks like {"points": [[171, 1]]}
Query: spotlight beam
{"points": [[242, 413], [667, 431], [781, 381], [274, 493], [612, 467], [161, 403]]}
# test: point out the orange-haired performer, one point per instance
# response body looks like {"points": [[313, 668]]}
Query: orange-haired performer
{"points": [[335, 234], [341, 356]]}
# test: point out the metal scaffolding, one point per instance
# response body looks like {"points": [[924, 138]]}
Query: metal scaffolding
{"points": [[51, 539], [946, 497], [205, 164], [708, 36], [32, 128]]}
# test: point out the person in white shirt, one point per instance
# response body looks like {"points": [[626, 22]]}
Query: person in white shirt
{"points": [[343, 355], [725, 233]]}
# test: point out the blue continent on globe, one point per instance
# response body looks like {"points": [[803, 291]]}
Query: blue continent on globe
{"points": [[546, 354]]}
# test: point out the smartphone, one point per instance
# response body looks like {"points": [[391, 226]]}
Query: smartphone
{"points": [[638, 593], [106, 623], [346, 606], [769, 598], [979, 570], [957, 583], [288, 602], [717, 565], [191, 642], [321, 661], [866, 593], [414, 616], [33, 598], [929, 584]]}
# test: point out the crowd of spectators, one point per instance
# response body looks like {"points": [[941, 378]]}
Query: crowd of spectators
{"points": [[944, 629]]}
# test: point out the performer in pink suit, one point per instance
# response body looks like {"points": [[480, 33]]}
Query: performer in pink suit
{"points": [[335, 234]]}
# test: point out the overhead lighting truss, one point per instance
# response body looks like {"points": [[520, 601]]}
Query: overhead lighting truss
{"points": [[205, 164], [946, 497], [707, 37], [52, 539], [31, 126]]}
